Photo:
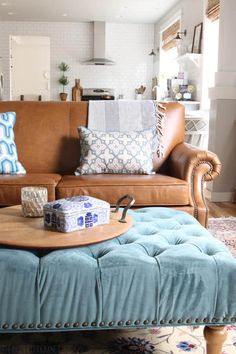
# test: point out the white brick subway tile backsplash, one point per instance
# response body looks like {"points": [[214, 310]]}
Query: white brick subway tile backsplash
{"points": [[127, 44]]}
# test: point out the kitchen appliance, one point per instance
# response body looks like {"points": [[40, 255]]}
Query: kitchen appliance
{"points": [[98, 94], [1, 80], [99, 45]]}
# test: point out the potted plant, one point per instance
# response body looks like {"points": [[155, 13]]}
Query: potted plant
{"points": [[63, 80], [139, 92]]}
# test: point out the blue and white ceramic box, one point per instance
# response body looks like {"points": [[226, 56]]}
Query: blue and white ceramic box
{"points": [[76, 213]]}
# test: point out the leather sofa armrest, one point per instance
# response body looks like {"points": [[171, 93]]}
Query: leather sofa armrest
{"points": [[186, 160], [195, 166]]}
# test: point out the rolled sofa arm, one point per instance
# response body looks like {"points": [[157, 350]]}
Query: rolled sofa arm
{"points": [[195, 166]]}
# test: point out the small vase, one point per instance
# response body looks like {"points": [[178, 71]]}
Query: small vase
{"points": [[77, 91], [63, 96], [139, 96]]}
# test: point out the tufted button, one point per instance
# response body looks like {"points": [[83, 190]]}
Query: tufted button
{"points": [[214, 319], [5, 326], [146, 322], [102, 324], [233, 319], [111, 323], [154, 322], [15, 326], [67, 325], [197, 320], [22, 326], [48, 325], [180, 321], [85, 324], [162, 321], [120, 323], [31, 325], [225, 319], [128, 323], [40, 325], [189, 320], [58, 325], [205, 320], [171, 321], [94, 324], [137, 322]]}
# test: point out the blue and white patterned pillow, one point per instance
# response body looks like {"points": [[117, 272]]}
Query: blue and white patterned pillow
{"points": [[9, 163], [115, 152]]}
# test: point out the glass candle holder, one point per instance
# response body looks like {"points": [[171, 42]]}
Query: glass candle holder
{"points": [[33, 200]]}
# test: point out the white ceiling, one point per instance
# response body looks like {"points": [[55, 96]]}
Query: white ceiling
{"points": [[132, 11]]}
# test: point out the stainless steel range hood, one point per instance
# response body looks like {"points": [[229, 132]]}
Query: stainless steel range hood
{"points": [[99, 43]]}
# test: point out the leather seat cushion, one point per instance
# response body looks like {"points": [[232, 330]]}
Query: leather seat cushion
{"points": [[10, 186], [146, 189]]}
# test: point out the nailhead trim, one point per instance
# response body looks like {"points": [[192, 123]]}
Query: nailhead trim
{"points": [[120, 323]]}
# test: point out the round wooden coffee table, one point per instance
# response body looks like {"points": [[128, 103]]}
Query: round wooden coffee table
{"points": [[18, 231]]}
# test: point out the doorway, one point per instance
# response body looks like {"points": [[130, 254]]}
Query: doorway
{"points": [[29, 68]]}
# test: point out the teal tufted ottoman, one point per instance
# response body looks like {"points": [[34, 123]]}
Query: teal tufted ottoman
{"points": [[167, 270]]}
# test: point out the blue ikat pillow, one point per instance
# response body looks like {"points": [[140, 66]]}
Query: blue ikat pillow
{"points": [[9, 163]]}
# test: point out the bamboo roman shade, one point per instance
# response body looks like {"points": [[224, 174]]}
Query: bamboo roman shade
{"points": [[213, 10], [169, 34]]}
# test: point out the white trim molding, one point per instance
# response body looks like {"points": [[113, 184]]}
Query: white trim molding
{"points": [[219, 196]]}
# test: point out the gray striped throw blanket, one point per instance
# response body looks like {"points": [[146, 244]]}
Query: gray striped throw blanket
{"points": [[128, 116]]}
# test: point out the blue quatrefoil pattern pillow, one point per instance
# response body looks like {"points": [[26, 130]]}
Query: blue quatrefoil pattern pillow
{"points": [[116, 152], [9, 163]]}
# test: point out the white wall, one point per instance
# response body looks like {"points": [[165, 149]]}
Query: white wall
{"points": [[222, 138], [127, 44], [191, 12]]}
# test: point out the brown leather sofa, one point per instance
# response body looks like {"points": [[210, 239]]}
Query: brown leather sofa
{"points": [[48, 147]]}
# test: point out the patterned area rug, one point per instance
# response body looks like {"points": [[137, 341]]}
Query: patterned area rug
{"points": [[135, 341], [225, 230]]}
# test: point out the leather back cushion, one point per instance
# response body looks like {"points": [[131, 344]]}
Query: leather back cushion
{"points": [[47, 138]]}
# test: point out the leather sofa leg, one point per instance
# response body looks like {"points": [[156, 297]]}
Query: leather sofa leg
{"points": [[215, 337]]}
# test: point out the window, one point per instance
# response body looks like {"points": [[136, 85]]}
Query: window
{"points": [[168, 53]]}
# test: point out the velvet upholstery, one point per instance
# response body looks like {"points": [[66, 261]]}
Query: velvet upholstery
{"points": [[166, 270]]}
